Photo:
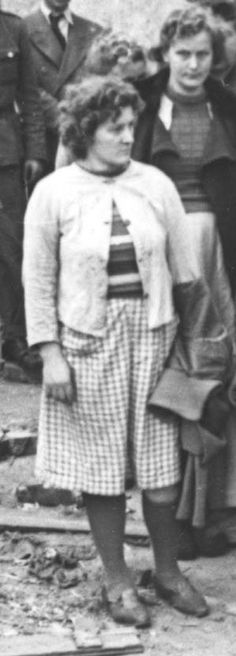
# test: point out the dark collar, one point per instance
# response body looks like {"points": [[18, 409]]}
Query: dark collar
{"points": [[223, 99], [221, 143]]}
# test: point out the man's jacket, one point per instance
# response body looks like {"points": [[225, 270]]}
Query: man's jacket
{"points": [[22, 133], [55, 69]]}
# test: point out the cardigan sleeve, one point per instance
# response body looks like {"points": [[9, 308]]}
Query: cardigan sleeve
{"points": [[40, 265]]}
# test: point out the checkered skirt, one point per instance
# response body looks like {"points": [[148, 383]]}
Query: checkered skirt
{"points": [[84, 447]]}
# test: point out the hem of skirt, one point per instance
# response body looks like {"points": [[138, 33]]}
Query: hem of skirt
{"points": [[53, 480]]}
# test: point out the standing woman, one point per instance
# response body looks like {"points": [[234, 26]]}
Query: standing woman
{"points": [[188, 130], [104, 244]]}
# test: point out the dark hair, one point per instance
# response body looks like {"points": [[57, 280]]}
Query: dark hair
{"points": [[90, 104], [224, 8], [185, 23]]}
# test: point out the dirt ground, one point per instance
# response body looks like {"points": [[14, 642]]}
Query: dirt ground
{"points": [[50, 582]]}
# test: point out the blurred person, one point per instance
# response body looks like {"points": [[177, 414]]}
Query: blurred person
{"points": [[105, 243], [22, 159], [114, 53], [188, 130], [60, 40], [225, 68]]}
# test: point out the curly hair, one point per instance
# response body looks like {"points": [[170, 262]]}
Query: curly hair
{"points": [[90, 104], [108, 49], [190, 21]]}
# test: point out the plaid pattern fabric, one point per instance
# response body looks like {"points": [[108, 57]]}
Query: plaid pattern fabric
{"points": [[84, 447]]}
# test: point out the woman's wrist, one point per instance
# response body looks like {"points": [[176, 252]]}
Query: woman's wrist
{"points": [[50, 350]]}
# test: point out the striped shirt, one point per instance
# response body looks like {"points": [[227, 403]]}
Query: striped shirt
{"points": [[124, 278]]}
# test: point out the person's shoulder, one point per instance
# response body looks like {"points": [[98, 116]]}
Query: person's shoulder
{"points": [[32, 19], [152, 175], [57, 180], [221, 96], [8, 15], [89, 26], [152, 87], [11, 19], [13, 25]]}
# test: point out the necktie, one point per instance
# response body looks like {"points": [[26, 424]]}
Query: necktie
{"points": [[54, 20]]}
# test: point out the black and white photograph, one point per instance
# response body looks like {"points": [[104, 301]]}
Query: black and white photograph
{"points": [[117, 327]]}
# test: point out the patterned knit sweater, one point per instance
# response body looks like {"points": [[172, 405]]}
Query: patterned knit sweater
{"points": [[189, 131]]}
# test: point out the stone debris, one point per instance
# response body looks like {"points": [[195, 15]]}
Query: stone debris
{"points": [[46, 496], [59, 565]]}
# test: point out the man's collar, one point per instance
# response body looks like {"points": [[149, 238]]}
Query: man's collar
{"points": [[47, 11]]}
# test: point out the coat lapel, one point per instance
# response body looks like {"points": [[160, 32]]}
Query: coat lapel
{"points": [[44, 39], [79, 38], [161, 140], [218, 145]]}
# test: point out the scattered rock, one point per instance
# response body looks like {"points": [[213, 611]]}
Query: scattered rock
{"points": [[45, 496]]}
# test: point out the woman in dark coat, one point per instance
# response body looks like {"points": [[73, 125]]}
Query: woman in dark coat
{"points": [[188, 130]]}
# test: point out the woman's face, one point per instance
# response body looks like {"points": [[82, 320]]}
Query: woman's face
{"points": [[110, 148], [190, 61]]}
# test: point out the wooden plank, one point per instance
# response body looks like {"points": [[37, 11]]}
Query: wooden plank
{"points": [[37, 645], [41, 519], [49, 645], [18, 442], [117, 641]]}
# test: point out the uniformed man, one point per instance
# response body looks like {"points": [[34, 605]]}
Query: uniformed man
{"points": [[22, 157], [60, 41]]}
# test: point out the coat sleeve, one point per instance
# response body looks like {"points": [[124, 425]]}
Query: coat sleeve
{"points": [[29, 102], [180, 252], [40, 265]]}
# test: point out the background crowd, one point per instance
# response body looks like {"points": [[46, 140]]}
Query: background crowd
{"points": [[137, 224]]}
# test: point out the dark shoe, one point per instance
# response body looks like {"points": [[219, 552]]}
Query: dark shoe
{"points": [[125, 607], [209, 545], [18, 352], [184, 598]]}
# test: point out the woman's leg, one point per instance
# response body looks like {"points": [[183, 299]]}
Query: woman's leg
{"points": [[107, 521], [159, 509]]}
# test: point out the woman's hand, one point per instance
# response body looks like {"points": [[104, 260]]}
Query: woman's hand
{"points": [[57, 375]]}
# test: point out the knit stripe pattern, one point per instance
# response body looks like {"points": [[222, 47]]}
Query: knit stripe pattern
{"points": [[124, 278]]}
